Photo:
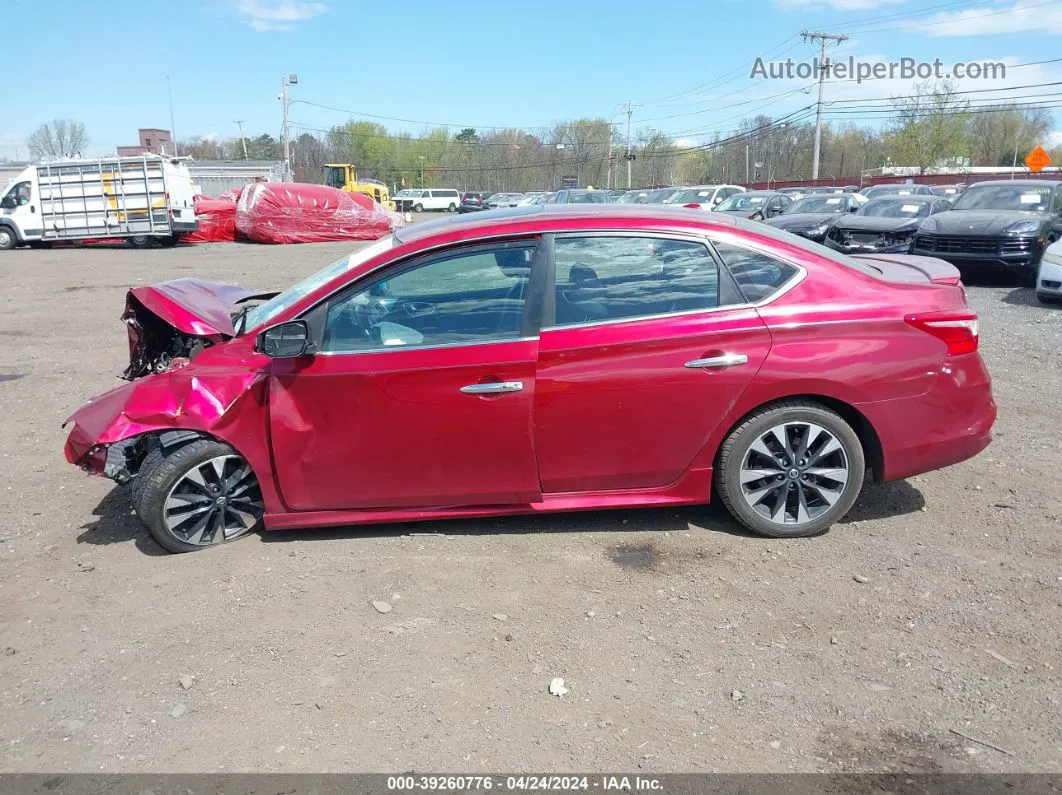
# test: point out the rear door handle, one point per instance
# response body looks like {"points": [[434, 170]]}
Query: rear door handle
{"points": [[495, 388], [724, 360]]}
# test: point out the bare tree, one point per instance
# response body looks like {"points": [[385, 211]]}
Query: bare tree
{"points": [[59, 138], [930, 126]]}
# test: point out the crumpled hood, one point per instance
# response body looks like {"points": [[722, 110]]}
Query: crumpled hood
{"points": [[801, 220], [980, 222], [193, 306], [874, 223]]}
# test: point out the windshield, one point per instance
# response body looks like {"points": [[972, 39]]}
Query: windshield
{"points": [[1029, 198], [691, 196], [893, 208], [264, 313], [890, 190], [588, 198], [742, 201], [634, 197], [824, 203]]}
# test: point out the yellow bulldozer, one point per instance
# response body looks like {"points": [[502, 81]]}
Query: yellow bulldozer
{"points": [[344, 176]]}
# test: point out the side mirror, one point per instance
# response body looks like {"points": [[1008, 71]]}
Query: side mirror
{"points": [[285, 340], [853, 209], [8, 203]]}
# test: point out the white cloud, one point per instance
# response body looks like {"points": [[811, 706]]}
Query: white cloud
{"points": [[266, 15], [835, 5], [209, 137], [1025, 16], [1054, 139]]}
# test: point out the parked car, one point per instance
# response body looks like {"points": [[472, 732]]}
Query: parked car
{"points": [[1049, 278], [530, 198], [812, 216], [417, 200], [576, 196], [1002, 225], [795, 193], [504, 200], [897, 189], [784, 370], [474, 201], [827, 189], [883, 225], [951, 191], [617, 194], [703, 197], [755, 204], [648, 195]]}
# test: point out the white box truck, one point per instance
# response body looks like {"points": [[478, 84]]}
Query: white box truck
{"points": [[141, 199]]}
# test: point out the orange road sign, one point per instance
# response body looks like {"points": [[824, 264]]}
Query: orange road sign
{"points": [[1037, 160]]}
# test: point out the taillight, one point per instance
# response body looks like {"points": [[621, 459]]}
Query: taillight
{"points": [[958, 330], [692, 206]]}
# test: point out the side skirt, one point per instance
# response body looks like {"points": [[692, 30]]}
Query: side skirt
{"points": [[693, 488]]}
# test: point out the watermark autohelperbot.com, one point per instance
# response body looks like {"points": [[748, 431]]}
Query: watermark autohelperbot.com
{"points": [[852, 69]]}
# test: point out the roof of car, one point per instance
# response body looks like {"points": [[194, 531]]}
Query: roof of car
{"points": [[906, 197], [538, 214]]}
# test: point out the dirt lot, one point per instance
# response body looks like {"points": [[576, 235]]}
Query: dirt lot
{"points": [[687, 645]]}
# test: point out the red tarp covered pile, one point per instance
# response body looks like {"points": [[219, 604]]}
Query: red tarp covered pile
{"points": [[217, 221], [289, 212]]}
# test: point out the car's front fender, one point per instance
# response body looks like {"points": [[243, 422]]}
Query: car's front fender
{"points": [[229, 406]]}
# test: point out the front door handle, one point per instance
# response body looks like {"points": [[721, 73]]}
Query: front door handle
{"points": [[493, 388], [723, 360]]}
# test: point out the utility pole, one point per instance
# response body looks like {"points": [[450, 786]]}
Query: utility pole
{"points": [[608, 181], [824, 67], [629, 155], [290, 80], [173, 131], [239, 123]]}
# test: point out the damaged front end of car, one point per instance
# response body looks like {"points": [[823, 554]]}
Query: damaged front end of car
{"points": [[168, 401]]}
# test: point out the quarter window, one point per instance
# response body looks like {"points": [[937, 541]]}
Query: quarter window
{"points": [[602, 278], [475, 296], [759, 276]]}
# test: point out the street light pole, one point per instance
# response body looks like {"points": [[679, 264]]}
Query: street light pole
{"points": [[239, 123]]}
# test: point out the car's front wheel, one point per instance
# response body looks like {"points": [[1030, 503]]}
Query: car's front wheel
{"points": [[417, 208], [198, 495], [790, 470]]}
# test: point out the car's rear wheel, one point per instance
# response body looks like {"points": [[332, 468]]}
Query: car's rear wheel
{"points": [[791, 469], [140, 241], [198, 495], [452, 208]]}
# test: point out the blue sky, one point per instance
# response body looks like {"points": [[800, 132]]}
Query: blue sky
{"points": [[685, 63]]}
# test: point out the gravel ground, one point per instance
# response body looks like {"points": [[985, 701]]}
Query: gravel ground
{"points": [[686, 644]]}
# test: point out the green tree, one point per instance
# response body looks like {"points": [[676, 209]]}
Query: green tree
{"points": [[930, 128]]}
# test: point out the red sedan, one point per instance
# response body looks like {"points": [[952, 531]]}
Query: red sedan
{"points": [[548, 358]]}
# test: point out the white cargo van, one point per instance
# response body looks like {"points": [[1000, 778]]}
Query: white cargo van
{"points": [[417, 200], [140, 199]]}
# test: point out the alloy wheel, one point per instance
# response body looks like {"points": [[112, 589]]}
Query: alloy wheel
{"points": [[5, 238], [794, 473], [213, 502]]}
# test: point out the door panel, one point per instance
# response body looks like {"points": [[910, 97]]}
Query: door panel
{"points": [[394, 429], [617, 408]]}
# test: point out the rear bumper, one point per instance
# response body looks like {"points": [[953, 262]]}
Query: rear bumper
{"points": [[948, 424], [184, 227]]}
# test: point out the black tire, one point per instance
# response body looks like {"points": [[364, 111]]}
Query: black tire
{"points": [[8, 240], [139, 241], [418, 208], [1047, 298], [40, 244], [143, 476], [452, 208], [170, 240], [737, 446], [161, 477]]}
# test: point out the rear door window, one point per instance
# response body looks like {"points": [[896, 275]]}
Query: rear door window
{"points": [[758, 275], [604, 278]]}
